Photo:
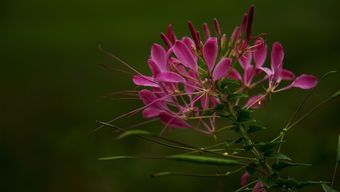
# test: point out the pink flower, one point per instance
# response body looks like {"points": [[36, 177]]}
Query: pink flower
{"points": [[276, 73], [256, 101], [259, 187], [244, 179], [186, 81]]}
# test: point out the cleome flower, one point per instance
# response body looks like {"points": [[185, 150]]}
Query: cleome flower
{"points": [[191, 77]]}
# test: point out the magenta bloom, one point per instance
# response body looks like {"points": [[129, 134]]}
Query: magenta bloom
{"points": [[259, 187], [176, 67], [276, 73], [244, 179], [185, 84]]}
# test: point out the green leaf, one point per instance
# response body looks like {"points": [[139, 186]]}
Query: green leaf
{"points": [[268, 182], [244, 115], [336, 94], [132, 132], [251, 168], [282, 164], [235, 96], [228, 86], [291, 183], [255, 128], [219, 107], [327, 188], [338, 151], [229, 82], [224, 114], [267, 146], [115, 158], [208, 112], [203, 160], [276, 155]]}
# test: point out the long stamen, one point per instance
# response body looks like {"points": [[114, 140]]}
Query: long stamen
{"points": [[217, 27], [118, 59], [116, 69]]}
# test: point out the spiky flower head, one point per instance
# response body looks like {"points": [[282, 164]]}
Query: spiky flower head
{"points": [[193, 76]]}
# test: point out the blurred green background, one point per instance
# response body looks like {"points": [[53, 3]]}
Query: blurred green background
{"points": [[52, 87]]}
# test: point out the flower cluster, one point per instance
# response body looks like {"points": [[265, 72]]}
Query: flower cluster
{"points": [[191, 76]]}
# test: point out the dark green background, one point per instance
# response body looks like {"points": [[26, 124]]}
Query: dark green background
{"points": [[51, 88]]}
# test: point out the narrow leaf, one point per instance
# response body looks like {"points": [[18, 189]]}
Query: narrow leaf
{"points": [[336, 94], [267, 146], [338, 151], [108, 125], [235, 96], [295, 184], [166, 173], [281, 165], [132, 132], [115, 158], [203, 160], [255, 128], [327, 188], [244, 115], [276, 155]]}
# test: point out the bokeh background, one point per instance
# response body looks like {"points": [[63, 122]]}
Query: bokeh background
{"points": [[52, 86]]}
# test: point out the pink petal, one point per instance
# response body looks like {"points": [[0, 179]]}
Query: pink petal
{"points": [[287, 75], [255, 101], [190, 82], [205, 102], [181, 70], [277, 57], [159, 56], [143, 80], [268, 71], [259, 187], [210, 51], [245, 60], [153, 67], [189, 42], [174, 61], [150, 98], [185, 55], [222, 68], [248, 75], [173, 121], [260, 53], [234, 75], [244, 179], [169, 77], [305, 82], [150, 112], [214, 101]]}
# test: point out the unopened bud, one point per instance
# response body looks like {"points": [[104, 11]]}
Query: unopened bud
{"points": [[223, 41], [206, 30], [250, 22], [217, 27], [166, 40], [195, 35]]}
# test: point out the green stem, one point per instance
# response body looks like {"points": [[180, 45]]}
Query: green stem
{"points": [[334, 173], [290, 126], [245, 186], [168, 173], [249, 142]]}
